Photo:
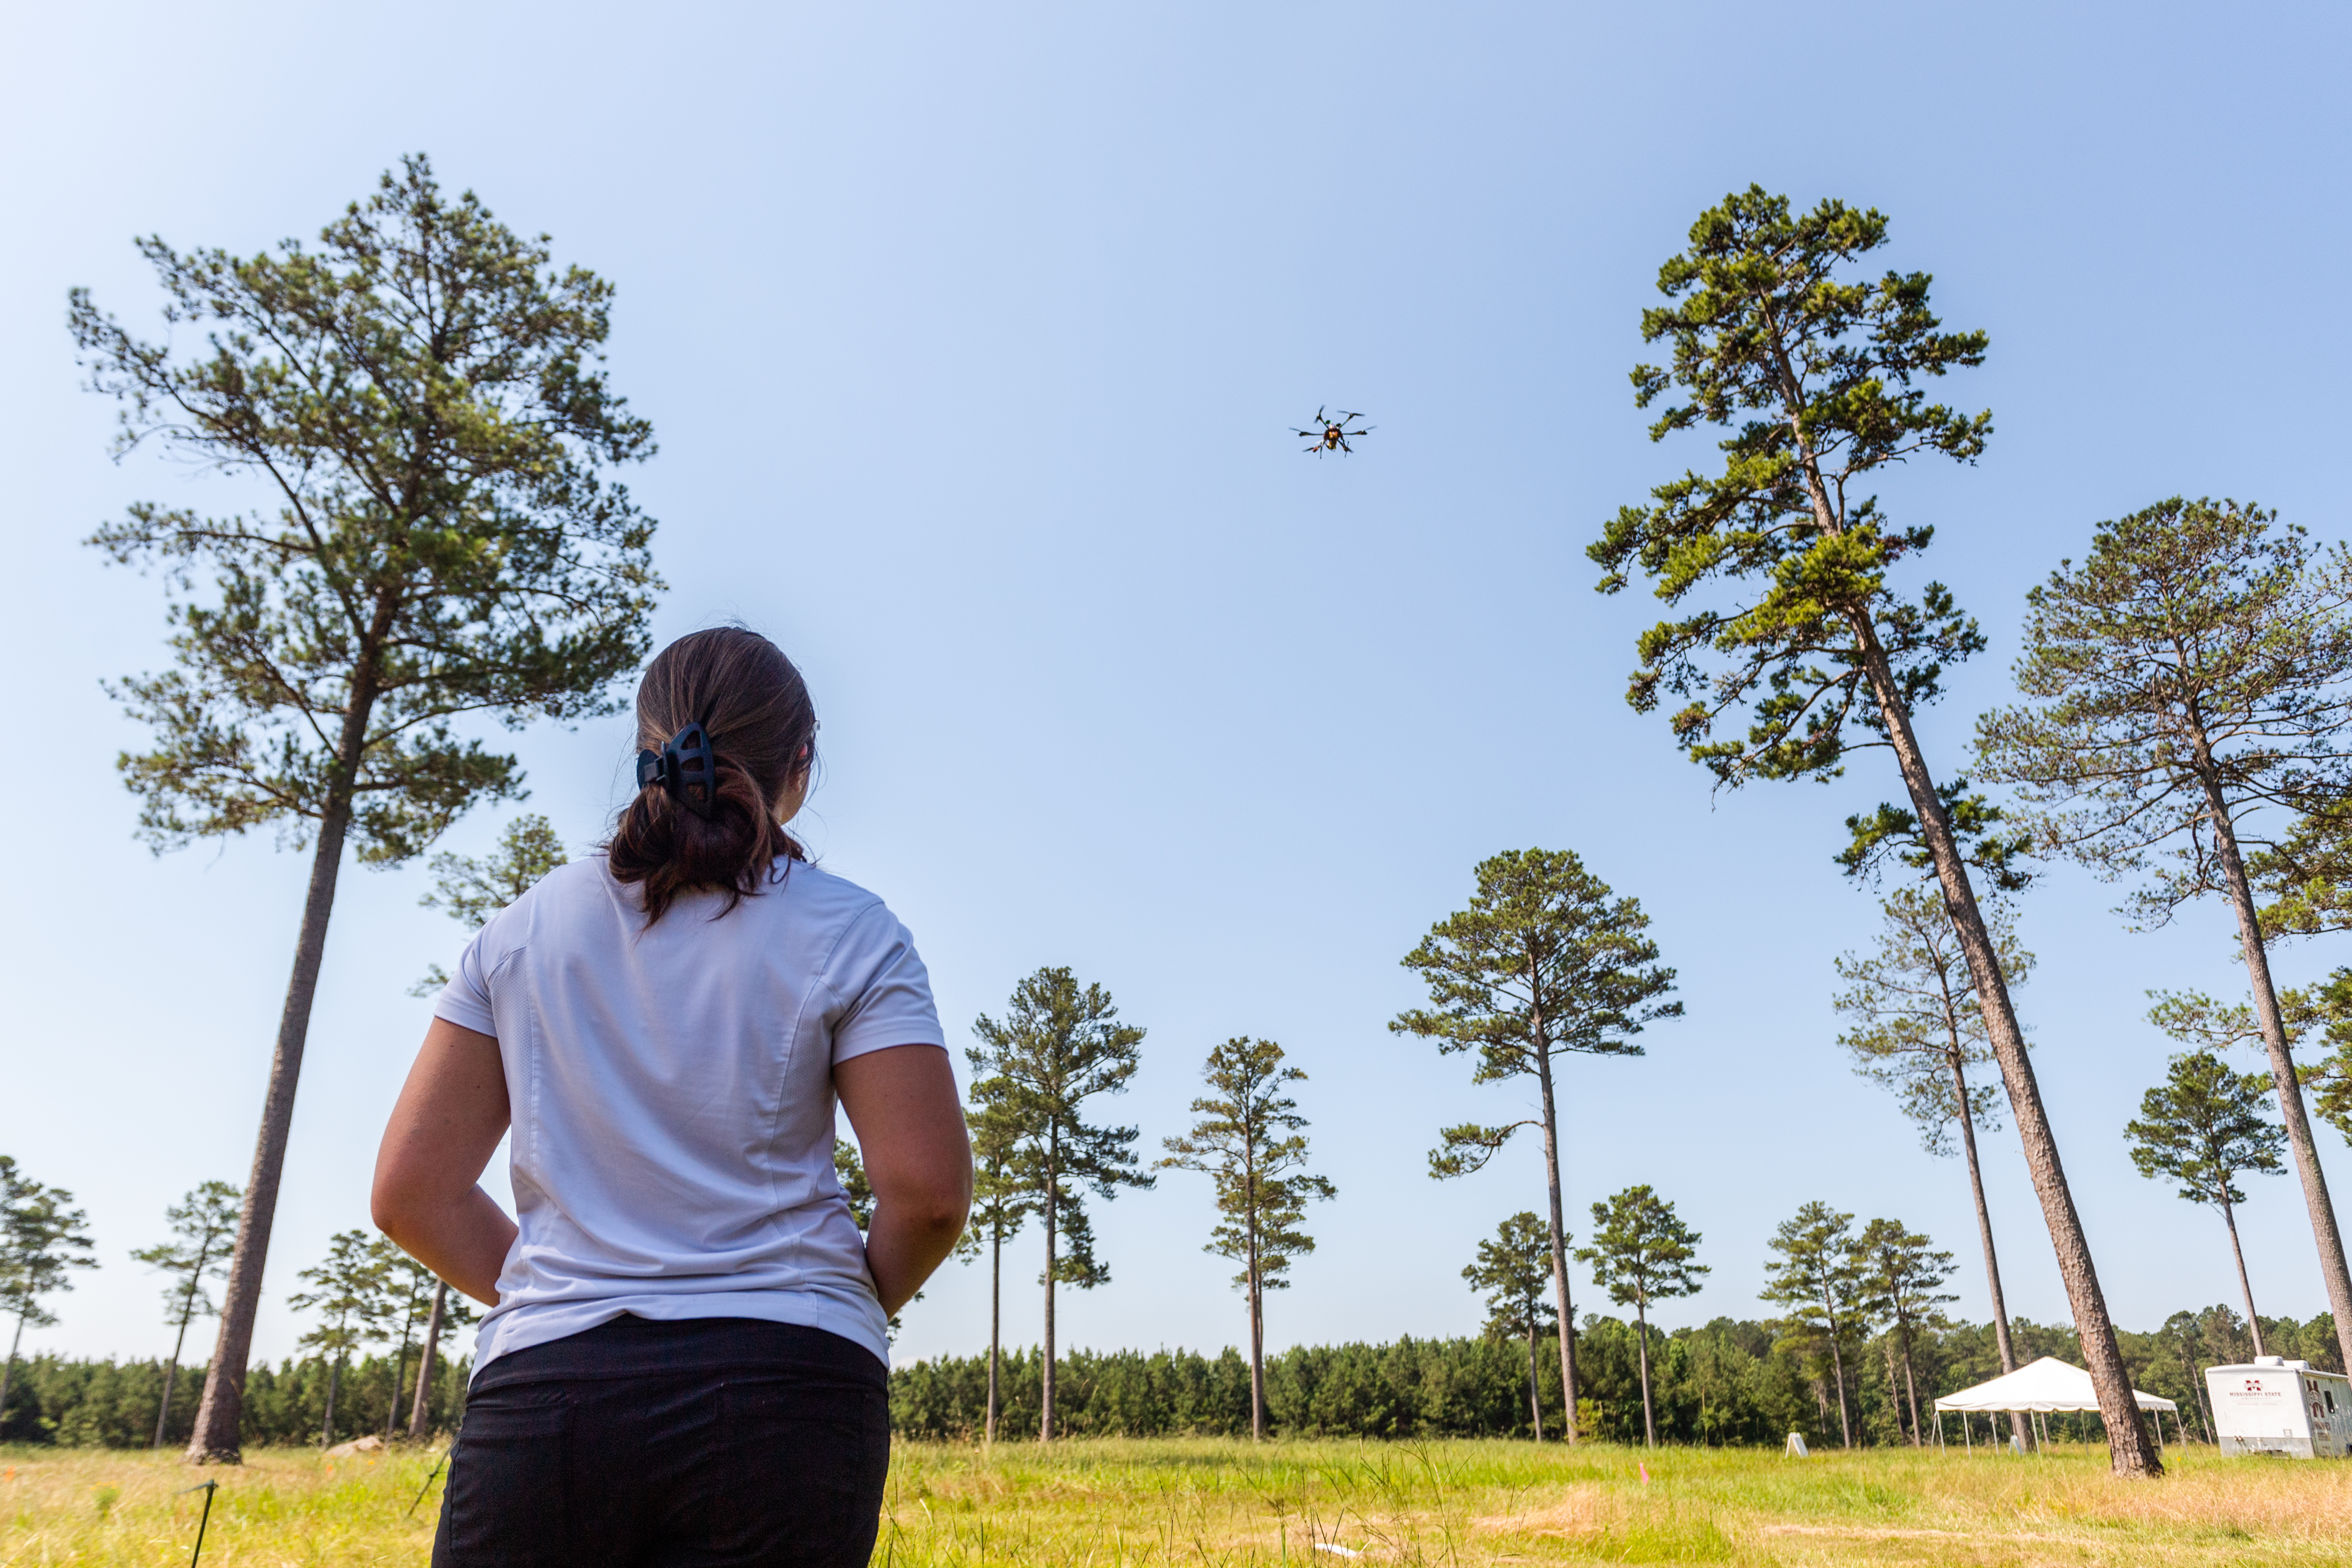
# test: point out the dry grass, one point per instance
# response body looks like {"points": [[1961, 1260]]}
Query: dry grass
{"points": [[1209, 1504]]}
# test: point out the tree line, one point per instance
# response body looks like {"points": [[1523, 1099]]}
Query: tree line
{"points": [[365, 1291], [1726, 1382], [1723, 1383], [421, 397], [77, 1403]]}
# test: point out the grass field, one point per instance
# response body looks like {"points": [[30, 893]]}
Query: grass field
{"points": [[1111, 1503]]}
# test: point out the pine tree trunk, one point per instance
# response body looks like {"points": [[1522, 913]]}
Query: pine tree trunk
{"points": [[1535, 1389], [1649, 1421], [220, 1413], [179, 1345], [1258, 1340], [1984, 1233], [419, 1412], [327, 1423], [1558, 1237], [1046, 1389], [1911, 1390], [399, 1386], [995, 1317], [8, 1368], [2245, 1285], [2315, 1200], [1894, 1394], [164, 1409], [1837, 1365], [2130, 1451]]}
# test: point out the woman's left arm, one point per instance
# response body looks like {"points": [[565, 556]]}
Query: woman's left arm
{"points": [[451, 1114], [902, 1104]]}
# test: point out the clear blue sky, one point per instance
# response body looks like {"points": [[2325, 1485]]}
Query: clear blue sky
{"points": [[971, 335]]}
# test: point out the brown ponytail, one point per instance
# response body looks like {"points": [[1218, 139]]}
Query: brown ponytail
{"points": [[763, 729]]}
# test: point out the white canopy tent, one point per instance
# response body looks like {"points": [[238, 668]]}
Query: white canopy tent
{"points": [[2039, 1388]]}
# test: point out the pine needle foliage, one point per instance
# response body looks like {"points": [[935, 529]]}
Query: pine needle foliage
{"points": [[1917, 1027], [43, 1239], [1814, 378], [2204, 1127], [2323, 1011], [2306, 874], [420, 399], [2195, 670], [471, 888]]}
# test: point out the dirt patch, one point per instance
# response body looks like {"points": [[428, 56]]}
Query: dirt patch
{"points": [[1575, 1513]]}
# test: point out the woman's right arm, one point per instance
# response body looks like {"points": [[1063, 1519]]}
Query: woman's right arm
{"points": [[452, 1112], [902, 1102]]}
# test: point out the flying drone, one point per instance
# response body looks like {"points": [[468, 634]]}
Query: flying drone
{"points": [[1330, 434]]}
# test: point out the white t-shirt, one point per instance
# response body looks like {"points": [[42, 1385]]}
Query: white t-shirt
{"points": [[672, 1097]]}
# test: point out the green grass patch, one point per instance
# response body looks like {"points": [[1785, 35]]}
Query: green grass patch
{"points": [[1218, 1503]]}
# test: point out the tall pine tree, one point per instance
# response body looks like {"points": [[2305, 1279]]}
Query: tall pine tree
{"points": [[1546, 963], [203, 1223], [1514, 1274], [1004, 1197], [1642, 1252], [420, 406], [2204, 1127], [1060, 1044], [2192, 678], [1251, 1142], [1918, 1029], [1782, 567]]}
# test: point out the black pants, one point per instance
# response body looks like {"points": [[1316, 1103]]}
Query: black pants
{"points": [[712, 1442]]}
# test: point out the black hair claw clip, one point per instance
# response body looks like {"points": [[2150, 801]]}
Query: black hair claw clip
{"points": [[685, 768]]}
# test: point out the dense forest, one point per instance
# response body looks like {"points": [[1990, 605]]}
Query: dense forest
{"points": [[1727, 1383], [111, 1404]]}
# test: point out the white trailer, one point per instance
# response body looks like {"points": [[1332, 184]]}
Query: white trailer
{"points": [[2279, 1406]]}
